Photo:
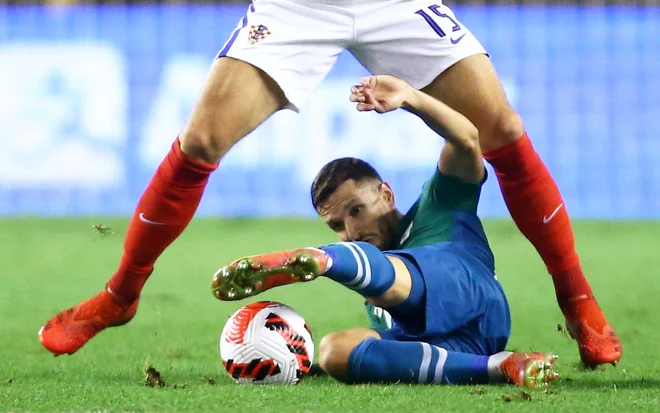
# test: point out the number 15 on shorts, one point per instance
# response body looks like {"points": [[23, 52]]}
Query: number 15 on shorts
{"points": [[434, 10]]}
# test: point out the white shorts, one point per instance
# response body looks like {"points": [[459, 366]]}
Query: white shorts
{"points": [[298, 42]]}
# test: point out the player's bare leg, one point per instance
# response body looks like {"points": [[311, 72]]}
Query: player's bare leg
{"points": [[335, 349], [472, 87], [236, 98]]}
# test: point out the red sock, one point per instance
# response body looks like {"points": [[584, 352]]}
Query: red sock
{"points": [[539, 211], [164, 211]]}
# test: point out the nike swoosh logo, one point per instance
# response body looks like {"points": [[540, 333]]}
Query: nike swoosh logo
{"points": [[458, 39], [549, 218], [148, 221]]}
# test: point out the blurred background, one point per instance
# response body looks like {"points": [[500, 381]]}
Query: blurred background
{"points": [[94, 92]]}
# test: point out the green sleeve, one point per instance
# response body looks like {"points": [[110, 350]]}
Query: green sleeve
{"points": [[450, 192], [377, 319]]}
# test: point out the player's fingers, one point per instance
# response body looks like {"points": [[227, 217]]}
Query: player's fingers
{"points": [[356, 89], [356, 97], [371, 95], [365, 107], [368, 81]]}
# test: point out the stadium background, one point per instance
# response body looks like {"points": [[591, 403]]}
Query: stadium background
{"points": [[91, 97], [94, 95]]}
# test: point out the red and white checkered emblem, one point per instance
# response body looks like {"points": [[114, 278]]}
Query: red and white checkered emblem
{"points": [[258, 32]]}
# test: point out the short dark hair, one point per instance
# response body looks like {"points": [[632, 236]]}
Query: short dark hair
{"points": [[335, 173]]}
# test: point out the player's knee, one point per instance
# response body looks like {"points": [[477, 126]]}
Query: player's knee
{"points": [[506, 128], [334, 352], [204, 145], [236, 98]]}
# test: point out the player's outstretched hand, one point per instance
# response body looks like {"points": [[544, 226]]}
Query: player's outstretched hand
{"points": [[380, 93]]}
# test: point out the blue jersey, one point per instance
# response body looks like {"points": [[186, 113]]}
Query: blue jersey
{"points": [[465, 306]]}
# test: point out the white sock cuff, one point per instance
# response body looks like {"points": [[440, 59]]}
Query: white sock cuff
{"points": [[495, 374]]}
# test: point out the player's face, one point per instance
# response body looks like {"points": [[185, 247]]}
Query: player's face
{"points": [[361, 211]]}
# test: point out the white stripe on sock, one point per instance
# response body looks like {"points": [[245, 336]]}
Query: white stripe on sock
{"points": [[329, 261], [495, 374], [440, 367], [426, 362], [360, 268], [367, 267]]}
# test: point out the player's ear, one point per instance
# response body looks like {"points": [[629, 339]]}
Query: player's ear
{"points": [[387, 193]]}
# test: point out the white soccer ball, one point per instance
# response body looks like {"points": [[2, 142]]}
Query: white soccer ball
{"points": [[266, 342]]}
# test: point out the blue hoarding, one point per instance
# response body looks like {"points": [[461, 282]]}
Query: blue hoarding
{"points": [[92, 98]]}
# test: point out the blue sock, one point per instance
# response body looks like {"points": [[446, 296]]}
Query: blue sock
{"points": [[360, 266], [374, 361]]}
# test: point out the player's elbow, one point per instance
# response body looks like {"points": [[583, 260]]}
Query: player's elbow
{"points": [[469, 139]]}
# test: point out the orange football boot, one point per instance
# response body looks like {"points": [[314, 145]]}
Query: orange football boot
{"points": [[250, 276], [69, 330], [597, 341], [529, 369]]}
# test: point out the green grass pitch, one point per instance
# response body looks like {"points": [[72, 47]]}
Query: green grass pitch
{"points": [[48, 264]]}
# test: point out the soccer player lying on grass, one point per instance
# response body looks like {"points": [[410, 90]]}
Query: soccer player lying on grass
{"points": [[431, 269]]}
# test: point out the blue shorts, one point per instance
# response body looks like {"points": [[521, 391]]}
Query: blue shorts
{"points": [[465, 308]]}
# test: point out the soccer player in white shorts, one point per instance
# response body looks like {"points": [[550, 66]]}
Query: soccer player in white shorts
{"points": [[274, 59]]}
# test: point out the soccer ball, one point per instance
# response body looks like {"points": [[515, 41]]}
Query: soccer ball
{"points": [[266, 343]]}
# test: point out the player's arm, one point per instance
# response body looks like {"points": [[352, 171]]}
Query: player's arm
{"points": [[461, 156]]}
